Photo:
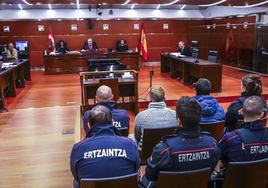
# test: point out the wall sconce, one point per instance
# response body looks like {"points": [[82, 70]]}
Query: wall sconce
{"points": [[228, 25], [245, 25]]}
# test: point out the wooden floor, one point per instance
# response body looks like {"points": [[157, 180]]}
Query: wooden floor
{"points": [[37, 134]]}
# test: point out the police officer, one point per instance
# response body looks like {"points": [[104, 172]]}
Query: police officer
{"points": [[104, 96], [188, 149], [250, 142], [103, 153]]}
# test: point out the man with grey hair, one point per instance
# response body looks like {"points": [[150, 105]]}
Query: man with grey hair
{"points": [[104, 96], [90, 45], [156, 116], [250, 142], [183, 49], [103, 154]]}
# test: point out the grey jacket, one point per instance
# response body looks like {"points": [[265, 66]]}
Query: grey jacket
{"points": [[156, 116]]}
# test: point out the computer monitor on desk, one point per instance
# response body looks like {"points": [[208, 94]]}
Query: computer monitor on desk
{"points": [[96, 65], [195, 54], [22, 47]]}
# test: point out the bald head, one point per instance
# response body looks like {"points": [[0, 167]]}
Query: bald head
{"points": [[181, 44], [253, 108], [157, 94], [100, 115], [104, 94]]}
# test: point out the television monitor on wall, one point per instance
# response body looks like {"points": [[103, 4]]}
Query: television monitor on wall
{"points": [[21, 45]]}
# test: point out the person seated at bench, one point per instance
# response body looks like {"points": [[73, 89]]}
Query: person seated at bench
{"points": [[188, 149], [251, 85], [103, 154], [248, 143], [104, 96], [158, 115], [62, 47], [90, 45], [212, 111]]}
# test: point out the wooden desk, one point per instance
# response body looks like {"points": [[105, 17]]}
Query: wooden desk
{"points": [[187, 68], [12, 78], [127, 90], [73, 63]]}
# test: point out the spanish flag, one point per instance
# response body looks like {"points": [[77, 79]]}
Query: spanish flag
{"points": [[143, 45], [230, 45]]}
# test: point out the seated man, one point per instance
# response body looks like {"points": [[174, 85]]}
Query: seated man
{"points": [[250, 142], [12, 53], [104, 97], [212, 111], [188, 149], [62, 47], [122, 46], [103, 154], [90, 45], [183, 49], [158, 115]]}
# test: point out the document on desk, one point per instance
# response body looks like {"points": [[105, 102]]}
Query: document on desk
{"points": [[177, 54]]}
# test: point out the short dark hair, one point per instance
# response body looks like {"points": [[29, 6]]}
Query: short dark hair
{"points": [[202, 86], [252, 84], [253, 107], [157, 94], [100, 115], [188, 110]]}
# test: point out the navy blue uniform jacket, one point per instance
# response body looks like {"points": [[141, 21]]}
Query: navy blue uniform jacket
{"points": [[103, 154], [232, 115], [120, 116], [246, 144], [184, 151]]}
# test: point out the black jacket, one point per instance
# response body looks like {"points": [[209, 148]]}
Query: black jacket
{"points": [[185, 51], [94, 46]]}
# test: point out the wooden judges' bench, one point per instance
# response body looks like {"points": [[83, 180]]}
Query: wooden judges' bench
{"points": [[13, 77], [78, 62], [125, 90], [189, 69]]}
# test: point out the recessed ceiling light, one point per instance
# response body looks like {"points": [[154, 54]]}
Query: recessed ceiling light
{"points": [[133, 6], [183, 7], [20, 7]]}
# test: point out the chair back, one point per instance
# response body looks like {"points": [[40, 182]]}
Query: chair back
{"points": [[250, 174], [212, 56], [128, 181], [215, 128], [192, 179], [150, 138], [113, 84]]}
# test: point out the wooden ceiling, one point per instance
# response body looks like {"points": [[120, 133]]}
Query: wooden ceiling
{"points": [[187, 2]]}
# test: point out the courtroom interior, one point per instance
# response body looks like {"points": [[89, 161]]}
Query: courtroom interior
{"points": [[134, 93]]}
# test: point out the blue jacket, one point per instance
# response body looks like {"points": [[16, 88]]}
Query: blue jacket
{"points": [[184, 151], [103, 154], [246, 144], [120, 116], [212, 111]]}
